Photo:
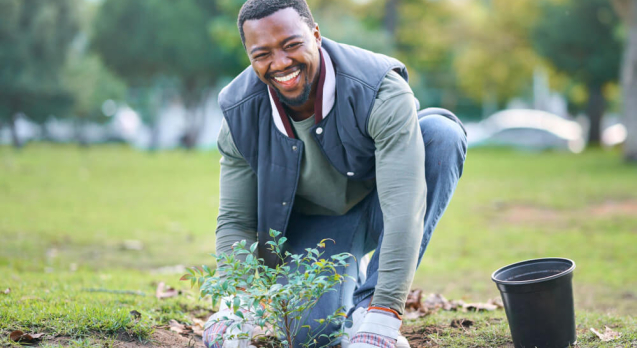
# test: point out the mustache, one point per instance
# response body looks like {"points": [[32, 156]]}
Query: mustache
{"points": [[270, 75]]}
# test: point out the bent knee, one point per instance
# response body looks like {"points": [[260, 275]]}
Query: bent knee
{"points": [[442, 131]]}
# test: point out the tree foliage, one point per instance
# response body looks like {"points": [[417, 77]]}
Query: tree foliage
{"points": [[91, 84], [578, 38], [182, 41], [627, 11], [34, 38]]}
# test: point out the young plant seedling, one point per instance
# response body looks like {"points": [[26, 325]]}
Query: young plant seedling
{"points": [[277, 299]]}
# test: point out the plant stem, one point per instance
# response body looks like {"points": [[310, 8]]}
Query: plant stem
{"points": [[288, 332]]}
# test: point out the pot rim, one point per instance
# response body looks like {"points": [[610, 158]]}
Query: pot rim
{"points": [[532, 281]]}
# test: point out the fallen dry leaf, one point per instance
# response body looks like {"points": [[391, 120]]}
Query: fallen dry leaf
{"points": [[479, 307], [417, 307], [437, 301], [414, 300], [608, 334], [197, 326], [462, 323], [15, 335], [411, 315], [165, 291], [414, 308], [179, 328], [136, 315], [19, 336], [7, 291], [496, 301]]}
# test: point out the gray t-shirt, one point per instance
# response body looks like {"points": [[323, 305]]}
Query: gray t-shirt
{"points": [[400, 179], [322, 190]]}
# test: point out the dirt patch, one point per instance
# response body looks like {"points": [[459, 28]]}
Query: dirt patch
{"points": [[529, 215], [418, 336], [526, 214], [160, 338], [165, 338], [614, 208]]}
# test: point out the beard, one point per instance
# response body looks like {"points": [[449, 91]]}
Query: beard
{"points": [[301, 98]]}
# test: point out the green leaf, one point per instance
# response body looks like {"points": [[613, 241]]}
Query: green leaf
{"points": [[239, 314], [253, 247], [236, 303]]}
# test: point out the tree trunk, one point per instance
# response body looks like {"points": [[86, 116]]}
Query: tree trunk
{"points": [[595, 111], [629, 83], [154, 135], [196, 122], [391, 17], [79, 132], [189, 139], [44, 130], [15, 139]]}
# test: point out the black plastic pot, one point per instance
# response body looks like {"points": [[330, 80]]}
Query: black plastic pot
{"points": [[538, 300]]}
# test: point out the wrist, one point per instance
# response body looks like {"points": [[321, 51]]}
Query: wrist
{"points": [[385, 310]]}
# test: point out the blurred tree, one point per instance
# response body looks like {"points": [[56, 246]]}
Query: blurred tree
{"points": [[351, 22], [88, 80], [494, 59], [476, 49], [627, 11], [34, 38], [150, 42], [91, 85], [578, 38]]}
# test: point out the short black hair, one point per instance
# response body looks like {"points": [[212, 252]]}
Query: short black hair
{"points": [[257, 9]]}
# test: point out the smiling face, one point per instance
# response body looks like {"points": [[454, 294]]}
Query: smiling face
{"points": [[283, 51]]}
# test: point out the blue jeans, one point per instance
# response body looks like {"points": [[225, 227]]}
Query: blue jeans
{"points": [[361, 229]]}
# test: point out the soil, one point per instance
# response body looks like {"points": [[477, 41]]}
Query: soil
{"points": [[160, 338], [418, 335], [165, 339], [614, 208], [266, 342], [529, 215]]}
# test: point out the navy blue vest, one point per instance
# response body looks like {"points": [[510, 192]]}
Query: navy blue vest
{"points": [[276, 158]]}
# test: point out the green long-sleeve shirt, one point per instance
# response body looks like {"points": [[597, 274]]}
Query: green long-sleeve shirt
{"points": [[400, 179]]}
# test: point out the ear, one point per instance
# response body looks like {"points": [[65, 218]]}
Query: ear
{"points": [[317, 34]]}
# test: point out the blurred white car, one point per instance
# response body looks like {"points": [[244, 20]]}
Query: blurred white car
{"points": [[533, 129]]}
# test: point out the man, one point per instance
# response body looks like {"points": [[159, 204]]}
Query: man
{"points": [[323, 140]]}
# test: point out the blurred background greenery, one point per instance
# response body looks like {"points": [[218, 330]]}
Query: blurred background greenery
{"points": [[147, 72], [554, 79]]}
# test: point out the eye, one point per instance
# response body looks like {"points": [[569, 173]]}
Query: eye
{"points": [[259, 56], [293, 45]]}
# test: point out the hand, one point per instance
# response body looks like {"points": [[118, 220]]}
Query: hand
{"points": [[224, 333], [377, 330]]}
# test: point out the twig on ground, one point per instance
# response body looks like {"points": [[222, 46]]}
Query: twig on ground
{"points": [[119, 292]]}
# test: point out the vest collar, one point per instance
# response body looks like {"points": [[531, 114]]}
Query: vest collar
{"points": [[329, 94]]}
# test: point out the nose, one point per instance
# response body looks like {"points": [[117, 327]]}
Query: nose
{"points": [[280, 61]]}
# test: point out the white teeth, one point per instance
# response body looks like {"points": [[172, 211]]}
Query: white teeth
{"points": [[288, 77]]}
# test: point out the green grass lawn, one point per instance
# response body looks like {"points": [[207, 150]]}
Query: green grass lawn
{"points": [[87, 234]]}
